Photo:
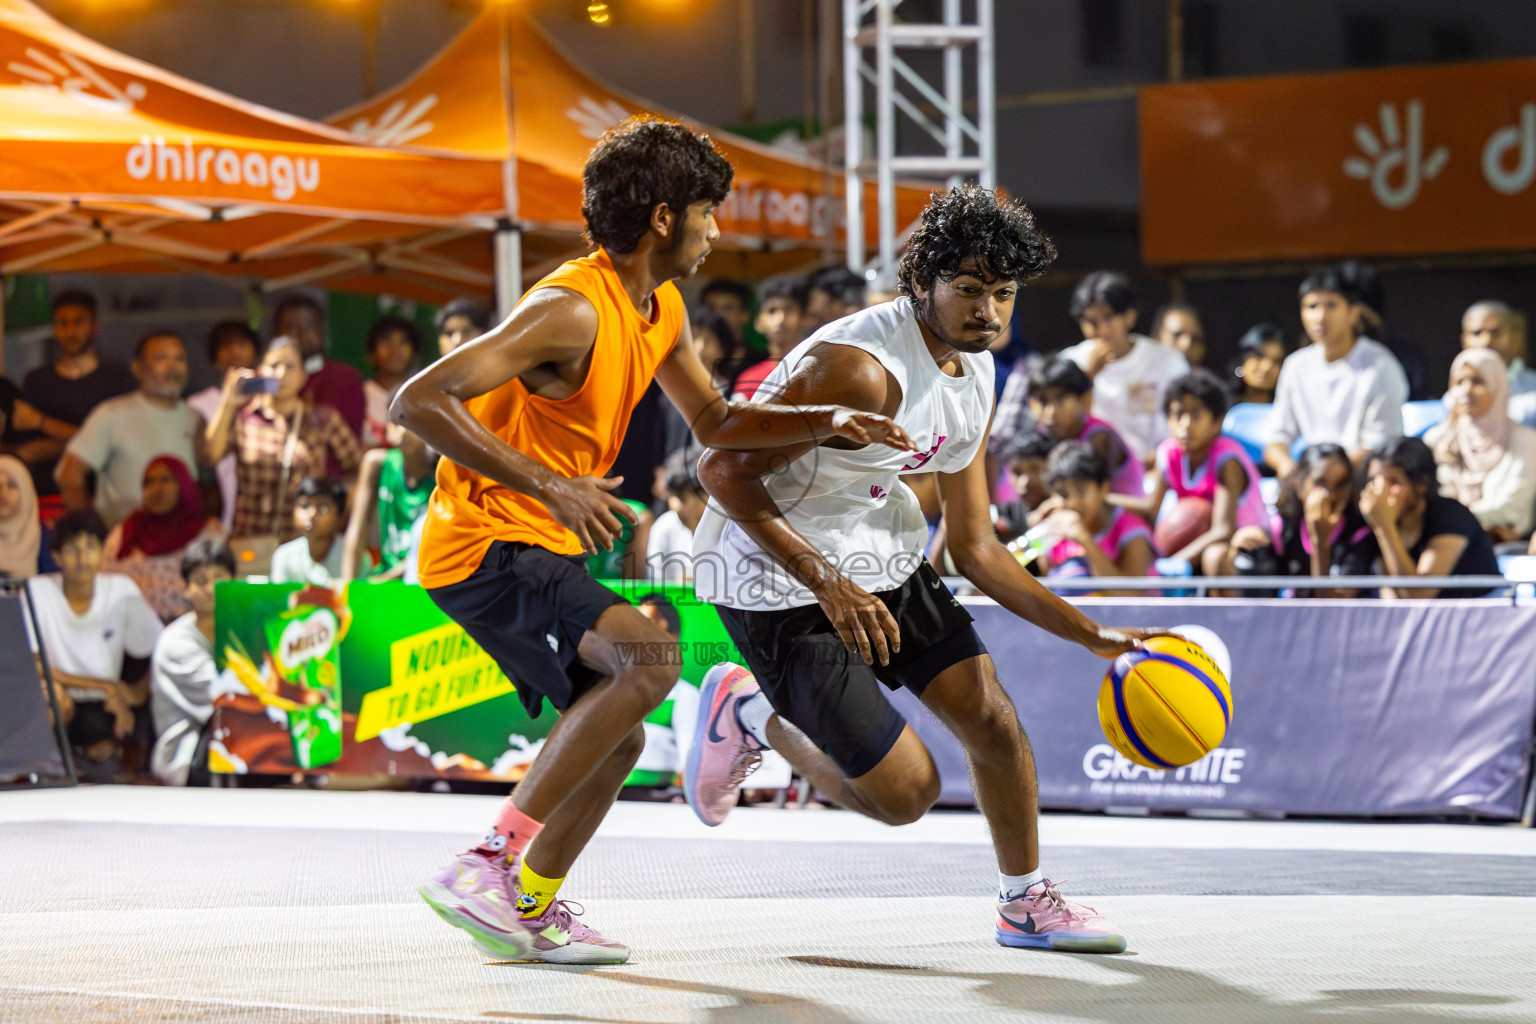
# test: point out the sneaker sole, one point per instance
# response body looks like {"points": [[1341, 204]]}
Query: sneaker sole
{"points": [[700, 728], [450, 909], [1065, 942], [572, 953]]}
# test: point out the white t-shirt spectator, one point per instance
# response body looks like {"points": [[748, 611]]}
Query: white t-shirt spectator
{"points": [[1128, 393], [291, 563], [669, 552], [1355, 402], [118, 624], [206, 403], [180, 674], [120, 437]]}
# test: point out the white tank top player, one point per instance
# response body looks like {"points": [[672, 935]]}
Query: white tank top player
{"points": [[852, 506]]}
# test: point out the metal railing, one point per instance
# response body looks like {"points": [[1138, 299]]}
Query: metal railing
{"points": [[1201, 584]]}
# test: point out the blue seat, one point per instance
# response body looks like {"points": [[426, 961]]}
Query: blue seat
{"points": [[1418, 417], [1247, 423]]}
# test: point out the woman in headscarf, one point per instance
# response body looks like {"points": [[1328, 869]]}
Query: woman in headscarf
{"points": [[20, 533], [1486, 460], [147, 546]]}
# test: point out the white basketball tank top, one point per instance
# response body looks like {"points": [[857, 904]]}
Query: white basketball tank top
{"points": [[852, 505]]}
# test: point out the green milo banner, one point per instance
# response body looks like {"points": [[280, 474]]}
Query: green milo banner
{"points": [[373, 678]]}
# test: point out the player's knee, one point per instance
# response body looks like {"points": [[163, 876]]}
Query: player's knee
{"points": [[989, 729], [631, 746], [912, 804], [651, 683]]}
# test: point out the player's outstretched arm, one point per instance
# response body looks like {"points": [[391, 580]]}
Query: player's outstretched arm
{"points": [[741, 426], [552, 325], [978, 554]]}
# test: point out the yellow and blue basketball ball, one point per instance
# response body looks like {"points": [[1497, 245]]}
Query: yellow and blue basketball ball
{"points": [[1165, 704]]}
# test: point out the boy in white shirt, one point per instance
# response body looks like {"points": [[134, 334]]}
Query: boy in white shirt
{"points": [[183, 669], [1130, 372], [314, 556]]}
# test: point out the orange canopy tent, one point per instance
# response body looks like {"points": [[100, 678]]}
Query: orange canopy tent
{"points": [[112, 164], [503, 90]]}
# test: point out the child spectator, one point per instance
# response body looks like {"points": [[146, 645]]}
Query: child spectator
{"points": [[393, 347], [1130, 372], [831, 293], [1420, 532], [1092, 537], [182, 669], [1025, 464], [719, 348], [314, 556], [461, 321], [1260, 353], [122, 434], [1495, 325], [1317, 529], [327, 382], [231, 345], [147, 546], [1341, 388], [1199, 464], [1179, 328], [1487, 460], [780, 319], [393, 485], [731, 300], [98, 632], [1060, 399], [669, 548], [20, 532]]}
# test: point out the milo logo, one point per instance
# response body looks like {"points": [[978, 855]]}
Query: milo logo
{"points": [[304, 639]]}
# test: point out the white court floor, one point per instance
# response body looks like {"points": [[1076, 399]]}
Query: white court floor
{"points": [[163, 905]]}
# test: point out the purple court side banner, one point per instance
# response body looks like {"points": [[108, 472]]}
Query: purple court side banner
{"points": [[1339, 708]]}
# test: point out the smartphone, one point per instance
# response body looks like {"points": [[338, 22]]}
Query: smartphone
{"points": [[259, 386]]}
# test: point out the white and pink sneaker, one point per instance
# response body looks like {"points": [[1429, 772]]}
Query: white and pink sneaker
{"points": [[479, 894], [723, 753], [1045, 919]]}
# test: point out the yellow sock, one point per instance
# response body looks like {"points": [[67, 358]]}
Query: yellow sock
{"points": [[537, 892]]}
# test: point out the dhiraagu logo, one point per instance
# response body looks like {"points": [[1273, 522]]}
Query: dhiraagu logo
{"points": [[1394, 160]]}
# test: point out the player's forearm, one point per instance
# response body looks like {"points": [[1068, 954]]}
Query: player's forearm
{"points": [[998, 575], [743, 498], [1145, 507], [445, 424], [743, 426]]}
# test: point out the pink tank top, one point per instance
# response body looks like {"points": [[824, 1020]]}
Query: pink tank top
{"points": [[1122, 528], [1202, 483], [1129, 478]]}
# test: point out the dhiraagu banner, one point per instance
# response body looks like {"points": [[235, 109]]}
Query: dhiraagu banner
{"points": [[374, 679]]}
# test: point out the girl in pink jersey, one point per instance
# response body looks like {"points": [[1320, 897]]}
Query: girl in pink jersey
{"points": [[1060, 400], [1093, 537], [1197, 462]]}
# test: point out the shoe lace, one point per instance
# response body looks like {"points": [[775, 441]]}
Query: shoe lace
{"points": [[1052, 894], [564, 913], [745, 764]]}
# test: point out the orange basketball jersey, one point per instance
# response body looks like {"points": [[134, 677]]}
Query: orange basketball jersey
{"points": [[577, 436]]}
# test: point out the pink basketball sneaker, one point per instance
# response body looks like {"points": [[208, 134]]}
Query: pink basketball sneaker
{"points": [[723, 753], [478, 894], [558, 938], [1045, 919]]}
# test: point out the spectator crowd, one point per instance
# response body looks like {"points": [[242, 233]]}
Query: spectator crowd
{"points": [[125, 502]]}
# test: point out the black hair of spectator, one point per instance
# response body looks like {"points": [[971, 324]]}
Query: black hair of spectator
{"points": [[1363, 278], [1204, 387], [76, 297], [680, 471], [149, 336], [77, 523], [1037, 444], [1291, 502], [706, 319], [1060, 372], [325, 487], [467, 308], [1075, 460], [392, 322], [639, 165], [1106, 286], [1330, 279], [667, 610], [1413, 457], [726, 286], [791, 288], [226, 331], [1259, 335], [844, 285], [205, 551], [296, 300], [970, 223]]}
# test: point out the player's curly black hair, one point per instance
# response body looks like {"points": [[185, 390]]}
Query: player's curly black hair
{"points": [[639, 164], [972, 222]]}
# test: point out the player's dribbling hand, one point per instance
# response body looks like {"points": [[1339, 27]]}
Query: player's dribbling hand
{"points": [[871, 428], [861, 619], [1111, 643], [585, 506]]}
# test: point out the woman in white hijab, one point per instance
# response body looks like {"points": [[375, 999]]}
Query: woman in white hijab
{"points": [[1487, 460], [20, 534]]}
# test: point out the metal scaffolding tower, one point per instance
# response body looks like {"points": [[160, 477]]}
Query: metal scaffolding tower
{"points": [[938, 111]]}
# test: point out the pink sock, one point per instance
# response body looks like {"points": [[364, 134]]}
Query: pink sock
{"points": [[511, 833]]}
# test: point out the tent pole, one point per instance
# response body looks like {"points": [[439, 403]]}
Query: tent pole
{"points": [[509, 268]]}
